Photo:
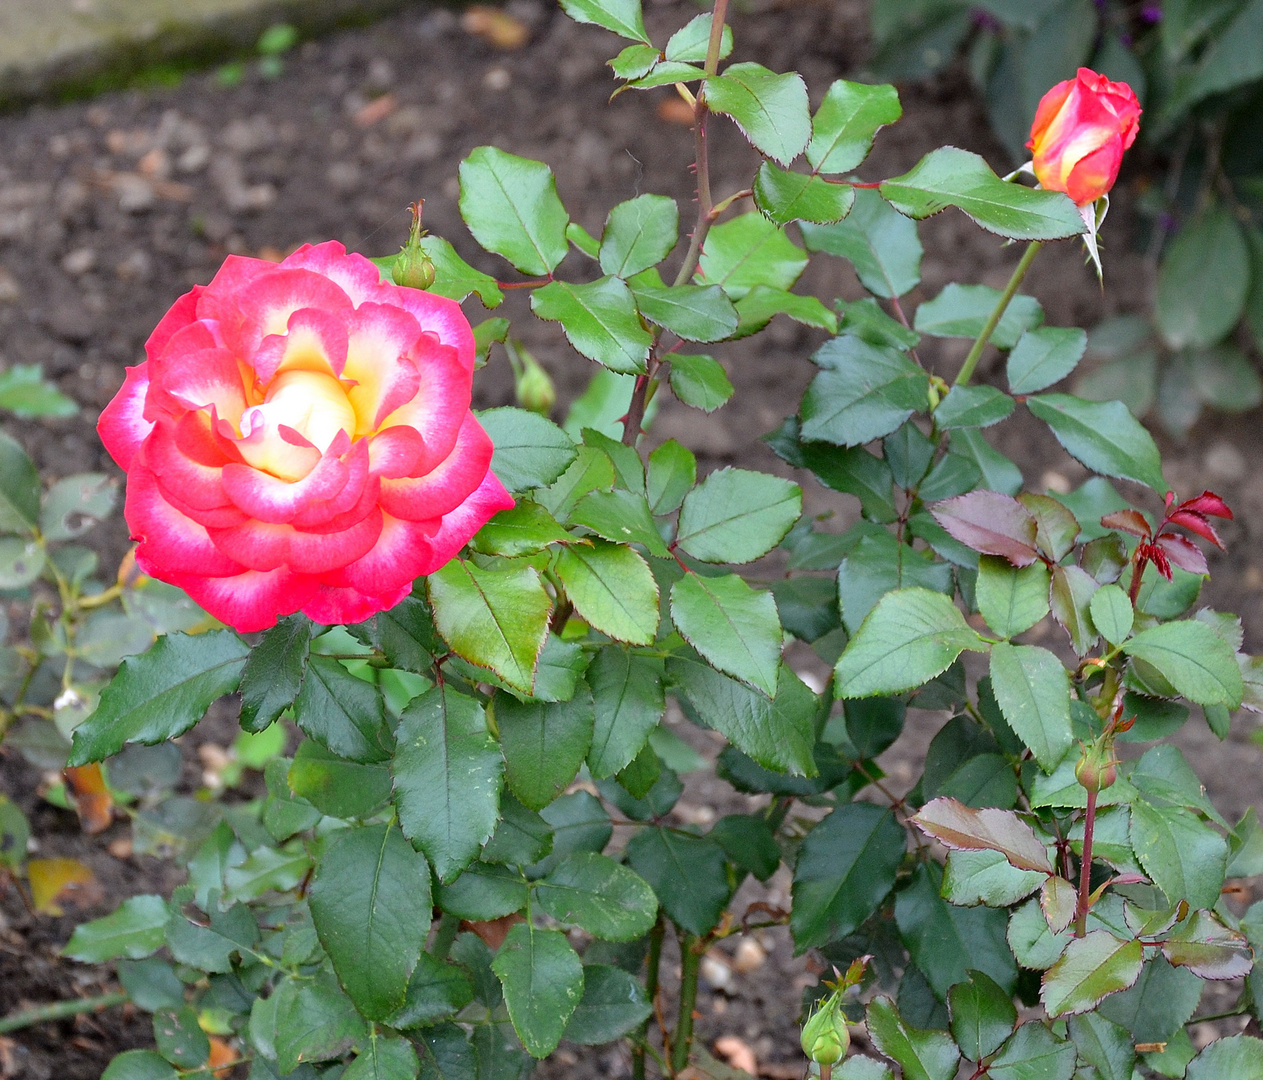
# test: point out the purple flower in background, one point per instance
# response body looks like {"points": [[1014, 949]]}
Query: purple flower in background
{"points": [[985, 20], [1151, 13]]}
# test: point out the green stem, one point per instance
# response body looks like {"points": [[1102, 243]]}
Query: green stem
{"points": [[1085, 868], [653, 964], [1019, 272], [59, 1010], [444, 936], [690, 968]]}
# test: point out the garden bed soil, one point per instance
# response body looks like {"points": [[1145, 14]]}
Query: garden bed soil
{"points": [[112, 208]]}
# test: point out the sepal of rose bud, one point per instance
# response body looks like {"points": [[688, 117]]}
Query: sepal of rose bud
{"points": [[412, 268], [1097, 768], [825, 1036]]}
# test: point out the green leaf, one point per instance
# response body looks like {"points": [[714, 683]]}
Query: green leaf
{"points": [[447, 774], [1104, 1045], [633, 62], [455, 278], [435, 991], [877, 240], [985, 877], [496, 619], [135, 929], [972, 406], [771, 110], [672, 474], [846, 867], [946, 941], [596, 893], [1033, 943], [139, 1065], [1033, 1052], [1104, 436], [613, 1002], [621, 516], [621, 16], [690, 43], [1033, 691], [484, 892], [844, 125], [687, 874], [384, 1058], [315, 1021], [692, 312], [746, 251], [1012, 599], [1202, 281], [1185, 857], [511, 206], [733, 626], [20, 487], [273, 672], [1236, 1056], [908, 638], [544, 744], [963, 310], [73, 505], [1194, 659], [543, 984], [179, 1038], [779, 734], [865, 392], [599, 319], [1090, 968], [523, 530], [1044, 356], [639, 233], [952, 177], [336, 786], [629, 700], [982, 1015], [922, 1055], [613, 589], [757, 308], [1111, 613], [342, 712], [161, 693], [370, 904], [737, 516], [530, 450], [699, 381], [793, 196], [266, 869], [666, 72], [26, 394], [749, 842]]}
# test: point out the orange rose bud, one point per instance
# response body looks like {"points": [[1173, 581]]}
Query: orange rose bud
{"points": [[1081, 128]]}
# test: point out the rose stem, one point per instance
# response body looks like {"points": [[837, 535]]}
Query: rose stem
{"points": [[59, 1010], [1019, 272], [656, 935], [1085, 868], [690, 968]]}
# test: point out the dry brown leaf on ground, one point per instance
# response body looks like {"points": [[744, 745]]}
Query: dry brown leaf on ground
{"points": [[738, 1053], [93, 801], [495, 27], [57, 881]]}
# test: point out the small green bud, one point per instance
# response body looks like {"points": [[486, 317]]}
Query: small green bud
{"points": [[412, 266], [825, 1036], [531, 383], [1097, 768]]}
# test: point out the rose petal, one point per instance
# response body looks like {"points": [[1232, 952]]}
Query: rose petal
{"points": [[268, 498], [182, 312], [458, 526], [395, 451], [332, 605], [192, 483], [263, 546], [199, 379], [440, 405], [250, 601], [440, 316], [361, 492], [263, 306], [446, 487], [353, 273], [378, 364], [122, 425], [169, 542], [315, 341]]}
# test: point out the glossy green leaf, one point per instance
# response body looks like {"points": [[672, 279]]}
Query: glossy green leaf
{"points": [[161, 693], [629, 701], [952, 177], [522, 530], [493, 618], [19, 487], [737, 516], [273, 672], [447, 774], [922, 1055], [700, 381], [672, 474], [179, 1038], [621, 516], [732, 625], [1185, 858], [844, 125], [771, 110], [613, 1003], [686, 872], [758, 307], [1104, 1045], [846, 867], [639, 233], [484, 892], [530, 450], [611, 587], [342, 712], [544, 744], [370, 904], [746, 251], [436, 991], [963, 310], [455, 278], [1111, 613], [691, 41], [1090, 968], [793, 196], [1104, 436], [1236, 1056], [384, 1057], [511, 206], [139, 1065], [1033, 1052], [982, 1015], [543, 984], [864, 392], [908, 638], [75, 504], [336, 786], [594, 892], [315, 1021], [621, 16], [135, 929], [972, 406], [1033, 691], [1194, 659], [692, 312], [1044, 356], [599, 319], [1202, 281], [1012, 599], [877, 240]]}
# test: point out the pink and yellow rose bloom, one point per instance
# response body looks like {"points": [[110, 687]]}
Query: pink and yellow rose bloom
{"points": [[1081, 129], [299, 438]]}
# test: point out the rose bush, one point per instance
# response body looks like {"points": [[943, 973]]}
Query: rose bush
{"points": [[1081, 128], [299, 439]]}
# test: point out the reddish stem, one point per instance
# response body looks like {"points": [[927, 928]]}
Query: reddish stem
{"points": [[1085, 868]]}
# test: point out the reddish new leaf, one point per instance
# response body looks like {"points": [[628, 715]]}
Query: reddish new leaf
{"points": [[1128, 521], [991, 523], [963, 828], [1207, 503], [1198, 524], [1183, 553]]}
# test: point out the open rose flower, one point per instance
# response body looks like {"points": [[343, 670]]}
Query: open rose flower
{"points": [[299, 439], [1081, 128]]}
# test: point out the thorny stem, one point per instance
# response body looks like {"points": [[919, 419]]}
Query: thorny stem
{"points": [[656, 935], [690, 968], [1019, 272], [1085, 868], [59, 1010]]}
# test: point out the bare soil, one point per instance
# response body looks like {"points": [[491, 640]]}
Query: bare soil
{"points": [[110, 209]]}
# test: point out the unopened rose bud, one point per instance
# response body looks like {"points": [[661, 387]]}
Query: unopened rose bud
{"points": [[825, 1036], [531, 383], [412, 267], [1097, 769]]}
